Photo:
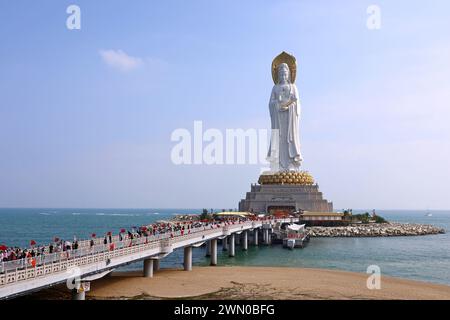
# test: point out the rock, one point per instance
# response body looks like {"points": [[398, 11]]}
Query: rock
{"points": [[375, 230]]}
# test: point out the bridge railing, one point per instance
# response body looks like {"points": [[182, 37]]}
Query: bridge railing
{"points": [[64, 264], [61, 261], [48, 258], [18, 270]]}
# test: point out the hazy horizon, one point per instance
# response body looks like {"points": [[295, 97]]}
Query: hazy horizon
{"points": [[215, 209]]}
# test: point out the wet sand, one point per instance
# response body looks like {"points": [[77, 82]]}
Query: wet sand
{"points": [[259, 283]]}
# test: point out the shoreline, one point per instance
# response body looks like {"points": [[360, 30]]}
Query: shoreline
{"points": [[251, 283]]}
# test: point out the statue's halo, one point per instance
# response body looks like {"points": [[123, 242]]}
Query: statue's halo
{"points": [[290, 60]]}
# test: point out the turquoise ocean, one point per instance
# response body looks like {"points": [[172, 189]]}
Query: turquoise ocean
{"points": [[425, 258]]}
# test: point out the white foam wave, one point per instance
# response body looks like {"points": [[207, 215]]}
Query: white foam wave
{"points": [[118, 214]]}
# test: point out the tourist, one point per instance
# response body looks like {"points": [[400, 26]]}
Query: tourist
{"points": [[68, 245]]}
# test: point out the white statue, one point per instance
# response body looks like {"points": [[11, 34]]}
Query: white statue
{"points": [[284, 151]]}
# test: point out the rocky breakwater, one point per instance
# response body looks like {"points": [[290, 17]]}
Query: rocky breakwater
{"points": [[375, 230]]}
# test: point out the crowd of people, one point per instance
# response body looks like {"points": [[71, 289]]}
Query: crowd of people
{"points": [[17, 253], [150, 232]]}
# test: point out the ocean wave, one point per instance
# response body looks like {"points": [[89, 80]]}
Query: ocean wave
{"points": [[118, 214], [45, 213]]}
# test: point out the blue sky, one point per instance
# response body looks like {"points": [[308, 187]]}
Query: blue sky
{"points": [[78, 128]]}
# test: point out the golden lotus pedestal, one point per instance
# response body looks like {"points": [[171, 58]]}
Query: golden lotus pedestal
{"points": [[302, 178], [285, 191]]}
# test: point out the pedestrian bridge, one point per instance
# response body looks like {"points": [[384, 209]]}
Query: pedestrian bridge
{"points": [[90, 263]]}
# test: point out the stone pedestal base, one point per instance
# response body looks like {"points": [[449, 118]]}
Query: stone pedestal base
{"points": [[288, 197]]}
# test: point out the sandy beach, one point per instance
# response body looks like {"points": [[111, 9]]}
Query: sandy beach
{"points": [[253, 283]]}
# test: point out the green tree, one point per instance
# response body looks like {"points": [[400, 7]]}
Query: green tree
{"points": [[204, 214]]}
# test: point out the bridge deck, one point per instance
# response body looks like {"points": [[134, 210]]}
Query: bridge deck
{"points": [[19, 277]]}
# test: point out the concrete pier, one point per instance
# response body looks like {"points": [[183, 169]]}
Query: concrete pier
{"points": [[156, 265], [232, 245], [225, 244], [208, 249], [188, 258], [244, 240], [78, 295], [148, 268], [266, 236], [255, 236], [213, 246]]}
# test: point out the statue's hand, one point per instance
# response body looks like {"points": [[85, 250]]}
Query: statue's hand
{"points": [[285, 106]]}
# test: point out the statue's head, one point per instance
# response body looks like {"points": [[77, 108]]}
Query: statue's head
{"points": [[283, 73]]}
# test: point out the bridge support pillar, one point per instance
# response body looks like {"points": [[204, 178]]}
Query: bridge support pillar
{"points": [[213, 246], [78, 295], [148, 268], [208, 249], [255, 236], [188, 258], [225, 244], [155, 264], [232, 245], [266, 236], [245, 240]]}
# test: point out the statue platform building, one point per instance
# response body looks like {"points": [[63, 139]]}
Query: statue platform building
{"points": [[285, 187], [276, 193]]}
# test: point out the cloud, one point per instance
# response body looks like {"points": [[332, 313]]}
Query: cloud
{"points": [[118, 59]]}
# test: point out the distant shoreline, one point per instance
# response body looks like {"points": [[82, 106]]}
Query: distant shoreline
{"points": [[228, 283]]}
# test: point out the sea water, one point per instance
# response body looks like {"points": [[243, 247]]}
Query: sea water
{"points": [[425, 258]]}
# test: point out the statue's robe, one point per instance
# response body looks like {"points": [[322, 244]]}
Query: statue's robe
{"points": [[285, 127]]}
